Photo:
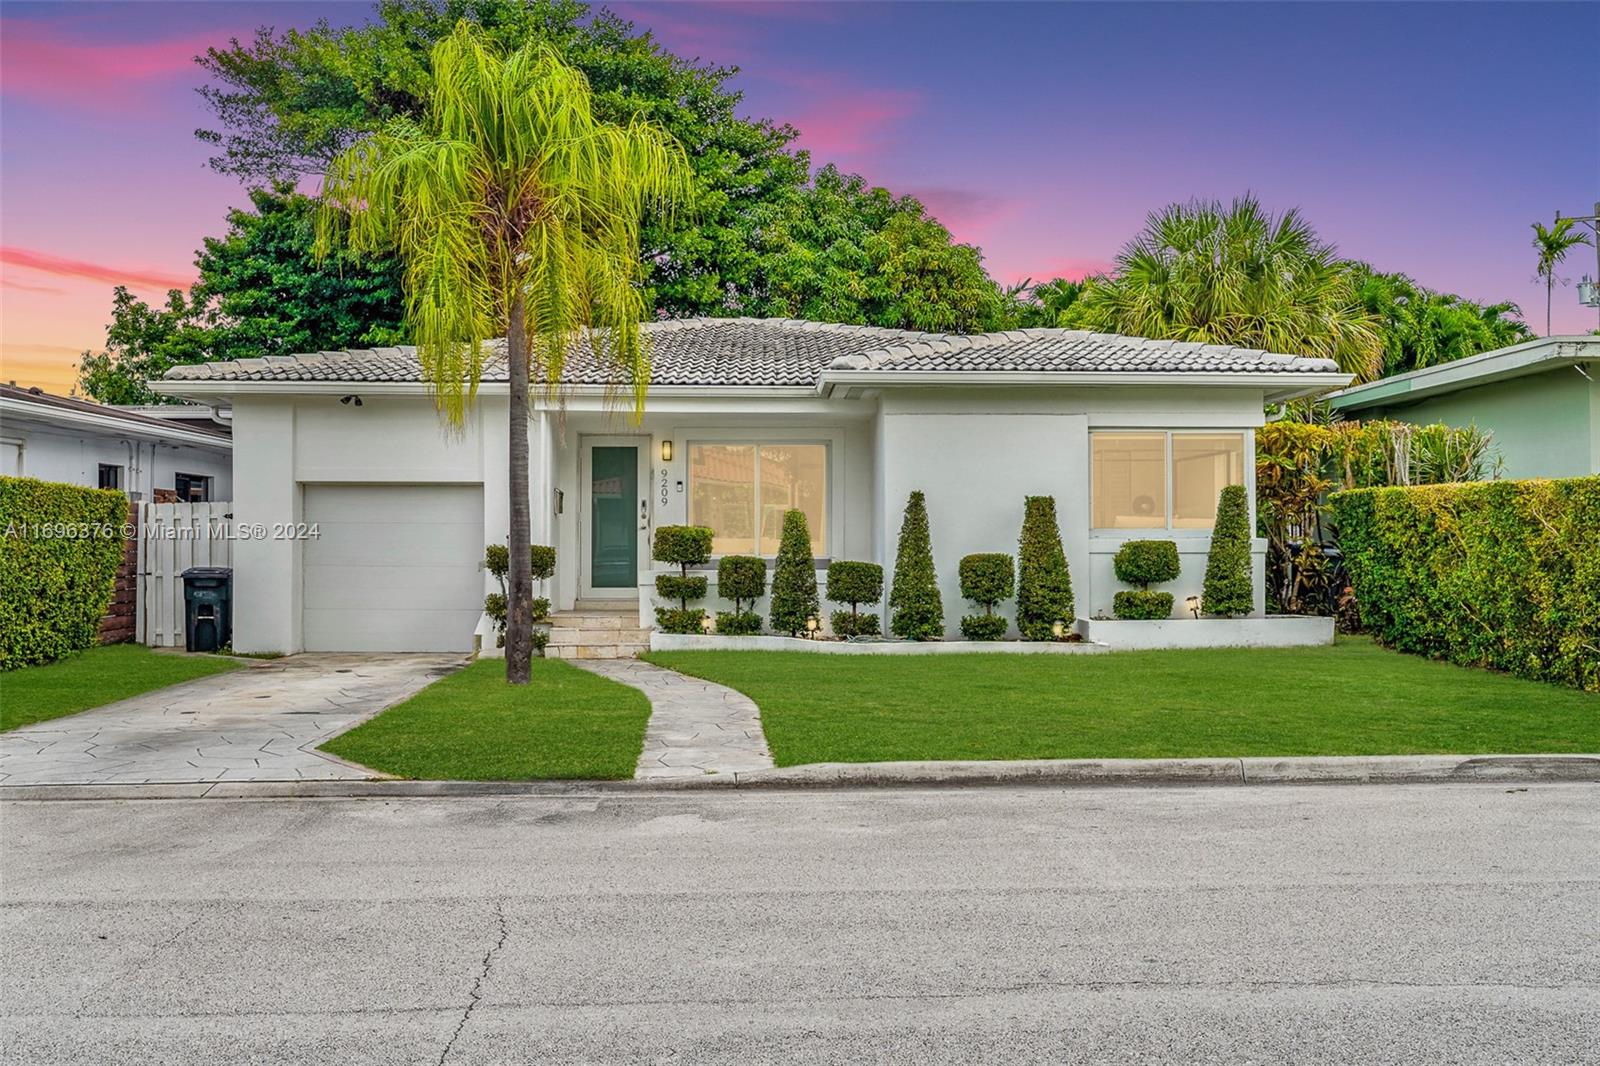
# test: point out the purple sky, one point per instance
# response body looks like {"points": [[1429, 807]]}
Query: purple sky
{"points": [[1422, 137]]}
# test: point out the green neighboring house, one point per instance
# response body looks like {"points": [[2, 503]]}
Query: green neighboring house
{"points": [[1540, 399]]}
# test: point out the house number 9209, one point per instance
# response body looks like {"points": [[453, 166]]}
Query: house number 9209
{"points": [[664, 496]]}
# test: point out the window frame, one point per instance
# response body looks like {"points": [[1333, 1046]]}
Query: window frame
{"points": [[204, 479], [756, 444], [1168, 530]]}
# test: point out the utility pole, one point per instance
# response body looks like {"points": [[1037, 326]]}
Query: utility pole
{"points": [[1589, 288]]}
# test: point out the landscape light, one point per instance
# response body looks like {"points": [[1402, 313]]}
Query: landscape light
{"points": [[1193, 603], [1058, 630]]}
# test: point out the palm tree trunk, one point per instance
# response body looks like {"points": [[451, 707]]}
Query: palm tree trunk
{"points": [[1549, 283], [519, 611]]}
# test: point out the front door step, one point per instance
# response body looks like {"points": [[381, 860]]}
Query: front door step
{"points": [[596, 634]]}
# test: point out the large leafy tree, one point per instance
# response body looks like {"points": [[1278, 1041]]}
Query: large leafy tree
{"points": [[1422, 328], [517, 212], [1552, 244], [1235, 274], [261, 291], [856, 253], [764, 238]]}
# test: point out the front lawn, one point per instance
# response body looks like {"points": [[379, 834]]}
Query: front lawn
{"points": [[94, 677], [1354, 698], [472, 726]]}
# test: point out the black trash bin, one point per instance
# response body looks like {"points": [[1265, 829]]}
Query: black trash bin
{"points": [[208, 608]]}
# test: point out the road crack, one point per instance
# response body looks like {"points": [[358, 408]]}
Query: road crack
{"points": [[477, 985]]}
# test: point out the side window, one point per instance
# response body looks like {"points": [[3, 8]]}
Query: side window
{"points": [[192, 488], [110, 476]]}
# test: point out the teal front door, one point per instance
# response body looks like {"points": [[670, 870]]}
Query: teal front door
{"points": [[613, 518]]}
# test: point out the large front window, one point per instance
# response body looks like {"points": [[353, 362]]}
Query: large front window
{"points": [[1160, 480], [741, 492]]}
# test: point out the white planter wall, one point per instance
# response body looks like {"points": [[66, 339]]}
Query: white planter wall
{"points": [[1276, 631]]}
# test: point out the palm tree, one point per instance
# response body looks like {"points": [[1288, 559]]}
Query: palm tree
{"points": [[515, 212], [1553, 244], [1235, 275]]}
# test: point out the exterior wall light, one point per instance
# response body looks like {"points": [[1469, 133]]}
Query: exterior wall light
{"points": [[1193, 603], [666, 451]]}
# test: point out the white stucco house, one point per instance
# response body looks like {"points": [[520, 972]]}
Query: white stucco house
{"points": [[146, 452], [373, 514]]}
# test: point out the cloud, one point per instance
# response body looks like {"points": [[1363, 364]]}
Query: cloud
{"points": [[695, 30], [1073, 268], [44, 65], [966, 213], [853, 123], [21, 286], [83, 270]]}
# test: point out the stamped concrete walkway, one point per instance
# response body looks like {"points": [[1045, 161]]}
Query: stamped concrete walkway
{"points": [[696, 728], [259, 723]]}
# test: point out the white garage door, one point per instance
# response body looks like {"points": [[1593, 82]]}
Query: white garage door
{"points": [[393, 568]]}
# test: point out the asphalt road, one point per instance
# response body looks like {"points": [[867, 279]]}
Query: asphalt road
{"points": [[1355, 924]]}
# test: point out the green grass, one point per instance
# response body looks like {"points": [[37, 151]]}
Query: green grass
{"points": [[1353, 698], [93, 678], [472, 726]]}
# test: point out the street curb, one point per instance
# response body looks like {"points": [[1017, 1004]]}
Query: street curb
{"points": [[1343, 770]]}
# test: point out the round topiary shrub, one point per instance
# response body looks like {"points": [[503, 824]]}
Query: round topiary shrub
{"points": [[742, 579], [686, 546], [738, 623], [1142, 604], [918, 610], [854, 583], [794, 578], [497, 560], [986, 579], [1228, 589], [1044, 586], [1146, 562]]}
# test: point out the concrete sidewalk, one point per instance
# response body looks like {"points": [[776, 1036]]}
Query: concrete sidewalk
{"points": [[1050, 773]]}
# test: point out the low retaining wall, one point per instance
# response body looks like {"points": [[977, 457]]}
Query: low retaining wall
{"points": [[703, 642], [1273, 631]]}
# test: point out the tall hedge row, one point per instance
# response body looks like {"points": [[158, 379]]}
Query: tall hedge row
{"points": [[58, 567], [1502, 574]]}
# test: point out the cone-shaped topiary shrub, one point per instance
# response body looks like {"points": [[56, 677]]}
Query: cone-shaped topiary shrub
{"points": [[686, 546], [497, 560], [986, 579], [742, 579], [1228, 590], [917, 612], [1145, 563], [794, 579], [854, 583], [1044, 587]]}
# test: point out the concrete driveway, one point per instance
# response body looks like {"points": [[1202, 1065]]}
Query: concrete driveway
{"points": [[261, 723]]}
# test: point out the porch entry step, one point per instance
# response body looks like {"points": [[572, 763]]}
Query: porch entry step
{"points": [[594, 632]]}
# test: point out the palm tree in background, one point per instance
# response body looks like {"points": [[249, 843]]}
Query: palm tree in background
{"points": [[515, 212], [1422, 328], [1235, 275], [1553, 244]]}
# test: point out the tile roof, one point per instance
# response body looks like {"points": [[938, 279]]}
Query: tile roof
{"points": [[789, 352]]}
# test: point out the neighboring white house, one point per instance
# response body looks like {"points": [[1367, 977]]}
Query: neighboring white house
{"points": [[139, 450], [373, 514]]}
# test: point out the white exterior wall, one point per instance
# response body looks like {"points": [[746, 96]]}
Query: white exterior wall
{"points": [[74, 456], [974, 452]]}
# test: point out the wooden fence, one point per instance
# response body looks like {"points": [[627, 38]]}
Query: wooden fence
{"points": [[172, 538]]}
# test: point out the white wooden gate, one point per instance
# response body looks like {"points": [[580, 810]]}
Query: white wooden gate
{"points": [[172, 538]]}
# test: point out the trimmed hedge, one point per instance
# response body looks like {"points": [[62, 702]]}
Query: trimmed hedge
{"points": [[854, 583], [1146, 562], [1498, 574], [1142, 604], [794, 578], [741, 578], [917, 609], [58, 567], [687, 546], [1044, 585], [1228, 590], [738, 623], [986, 579], [542, 565]]}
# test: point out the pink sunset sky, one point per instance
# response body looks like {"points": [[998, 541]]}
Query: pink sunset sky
{"points": [[1420, 137]]}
